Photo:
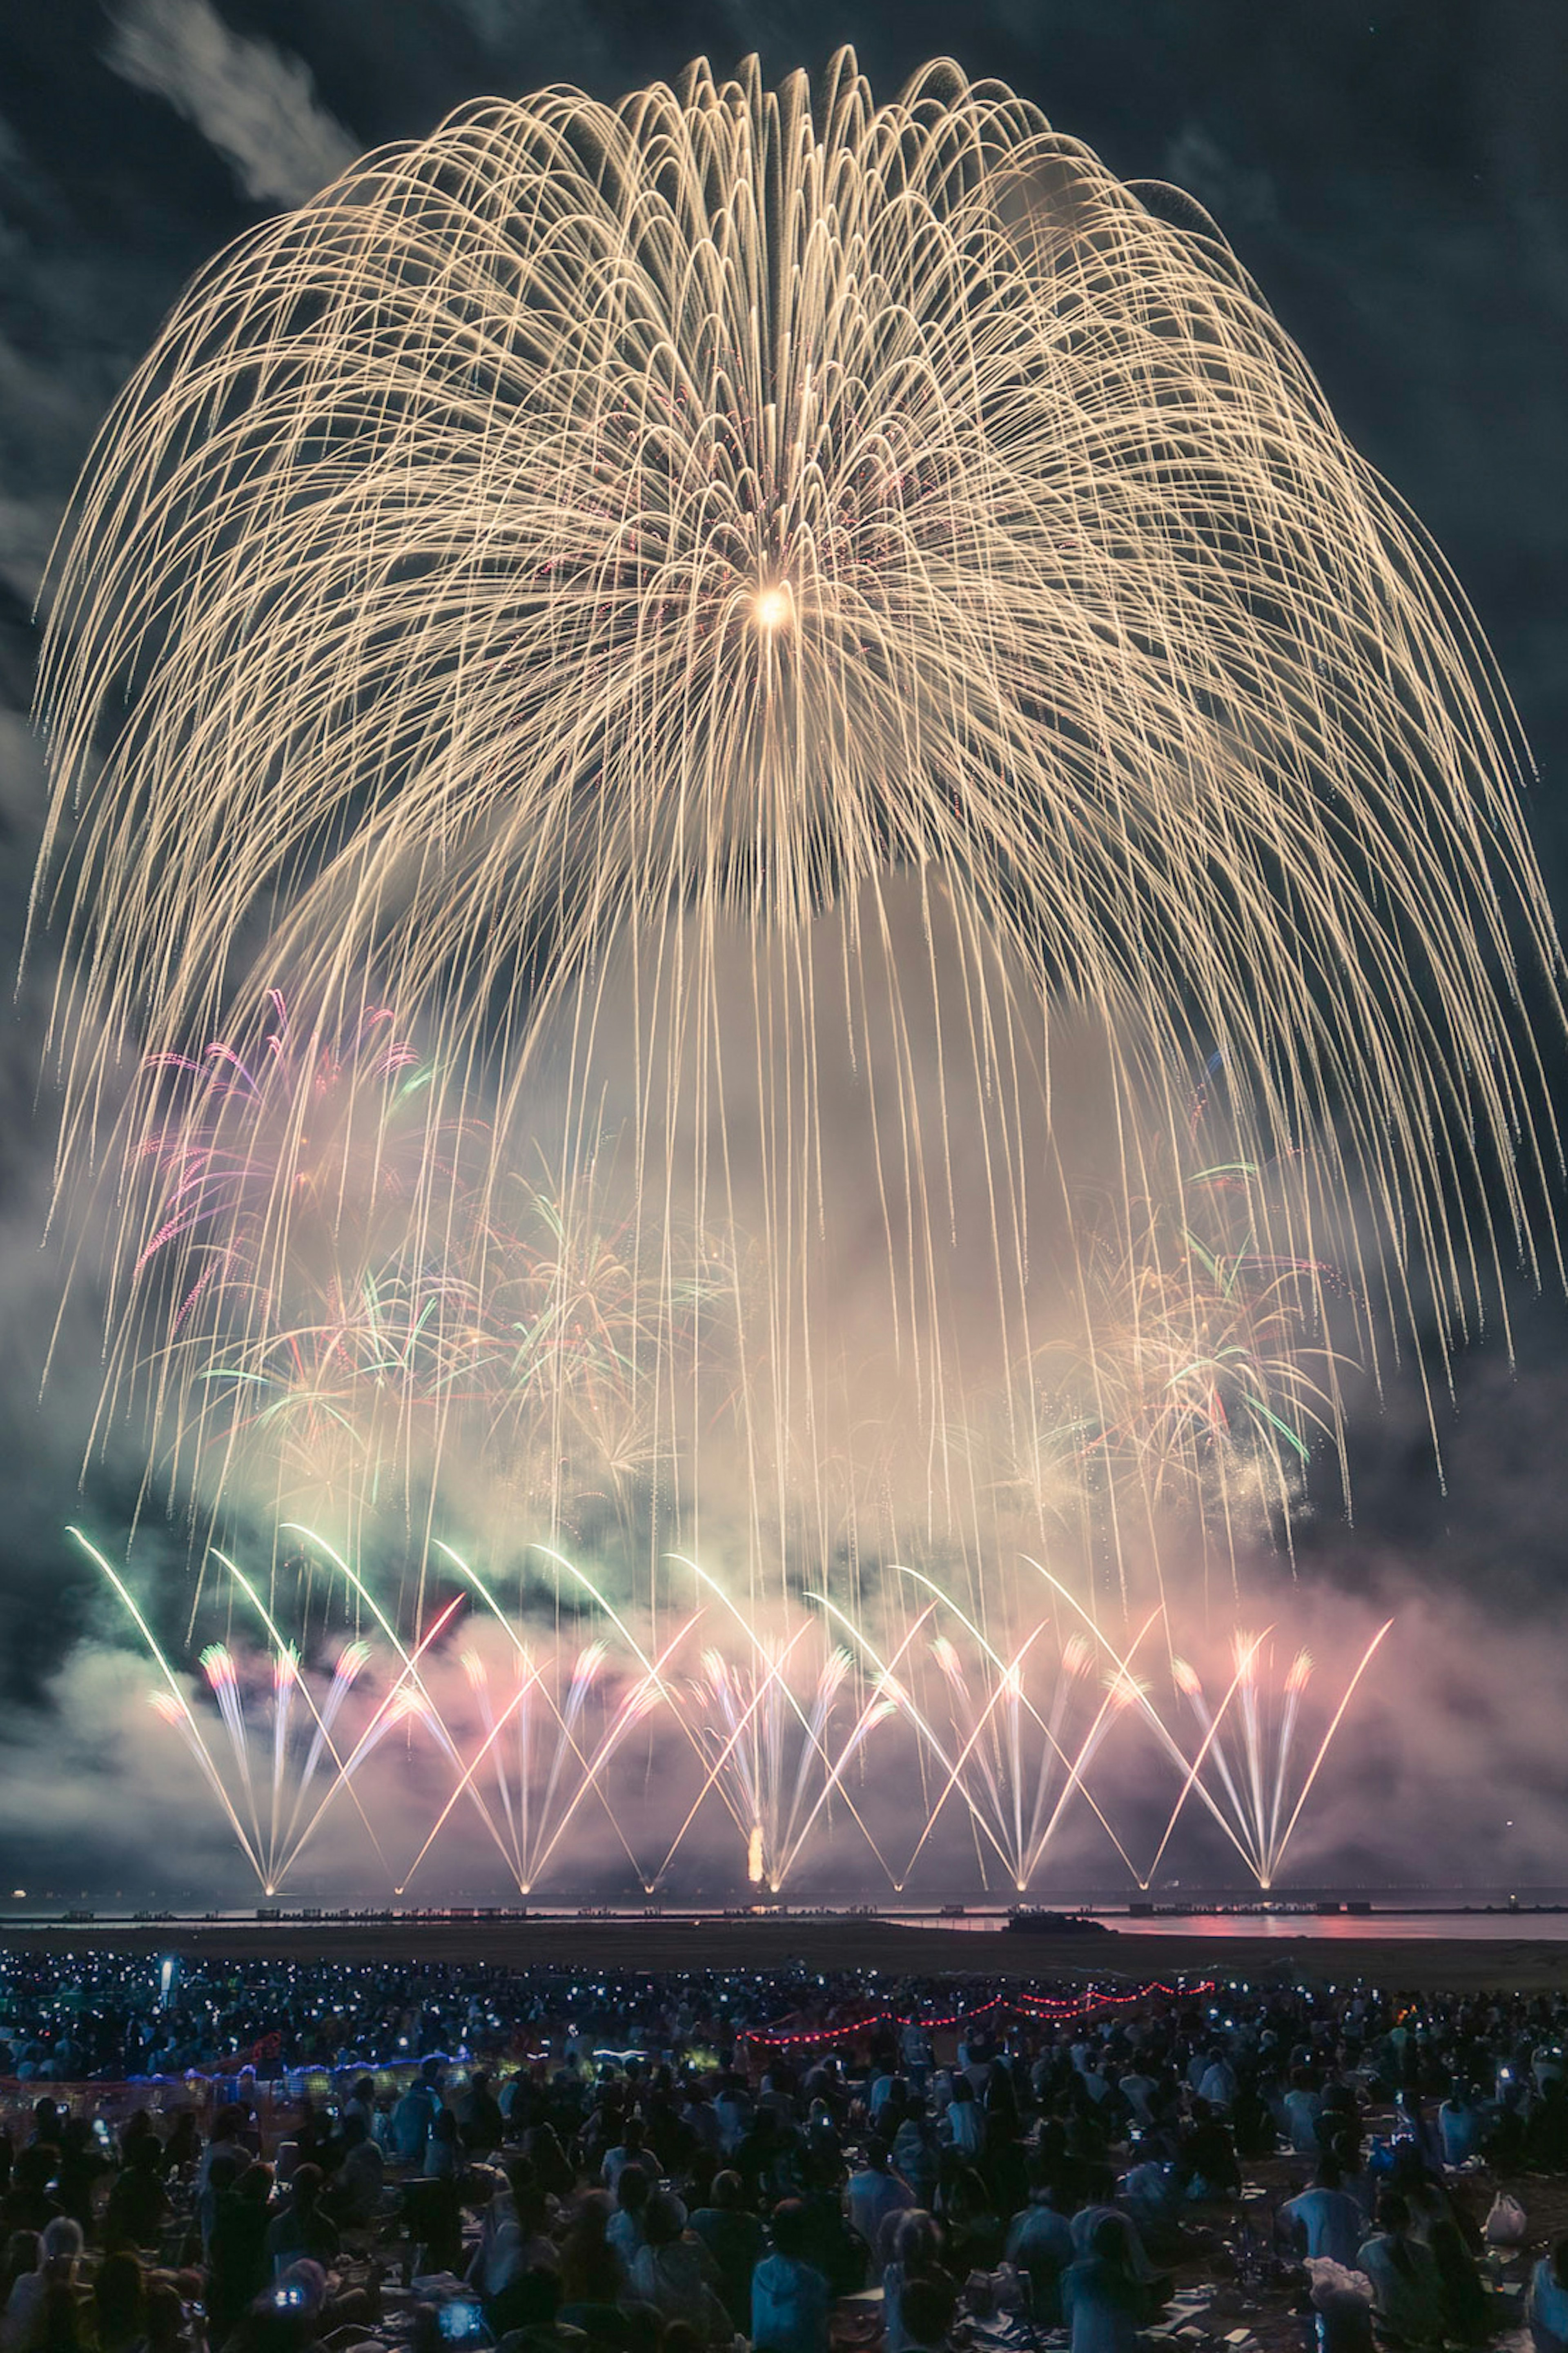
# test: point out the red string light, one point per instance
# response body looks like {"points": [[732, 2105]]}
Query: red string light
{"points": [[1058, 2008]]}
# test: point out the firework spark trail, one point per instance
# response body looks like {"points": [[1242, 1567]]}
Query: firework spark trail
{"points": [[417, 1697], [585, 1676], [777, 1762], [1252, 1729], [1072, 1665], [891, 1687], [478, 1675], [749, 1761], [285, 1678], [530, 1680], [1008, 1696], [223, 1679], [1122, 1686], [1189, 1684], [646, 1692], [1257, 1792], [1334, 1723], [651, 1688], [351, 1660], [740, 505], [172, 1703], [1296, 1683], [1125, 1685], [406, 1697], [635, 1703], [652, 1668], [487, 1747], [276, 1853], [882, 1702], [760, 1764], [170, 1711]]}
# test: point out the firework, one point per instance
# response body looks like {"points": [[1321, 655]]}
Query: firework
{"points": [[776, 1762], [1243, 1771], [313, 1307], [1199, 1369], [296, 1269], [273, 1848], [614, 569], [769, 1723], [1009, 1756]]}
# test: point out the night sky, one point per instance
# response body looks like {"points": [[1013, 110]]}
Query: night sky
{"points": [[1395, 179]]}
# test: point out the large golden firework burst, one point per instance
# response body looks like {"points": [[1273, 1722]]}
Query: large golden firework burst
{"points": [[593, 537]]}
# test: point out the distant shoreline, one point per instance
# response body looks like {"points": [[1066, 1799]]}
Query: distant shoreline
{"points": [[672, 1941]]}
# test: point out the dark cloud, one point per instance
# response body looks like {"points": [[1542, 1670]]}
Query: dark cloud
{"points": [[253, 101]]}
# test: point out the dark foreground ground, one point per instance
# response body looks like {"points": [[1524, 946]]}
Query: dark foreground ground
{"points": [[1439, 1965]]}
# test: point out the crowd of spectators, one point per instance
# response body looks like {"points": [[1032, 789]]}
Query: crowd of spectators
{"points": [[435, 2156]]}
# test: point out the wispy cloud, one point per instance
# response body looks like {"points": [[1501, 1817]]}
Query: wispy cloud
{"points": [[255, 103]]}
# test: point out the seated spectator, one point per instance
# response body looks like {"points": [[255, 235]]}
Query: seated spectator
{"points": [[928, 2308], [58, 2326], [1102, 2304], [674, 2272], [303, 2229], [443, 2148], [356, 2194], [974, 2231], [917, 2255], [1207, 2155], [631, 2149], [734, 2238], [789, 2298], [222, 2175], [625, 2232], [226, 2146], [165, 2318], [1467, 2318], [1217, 2083], [1323, 2220], [1302, 2108], [411, 2119], [138, 2208], [30, 2204], [1040, 2243], [1407, 2294], [59, 2254], [1252, 2126], [916, 2157], [592, 2272], [432, 2216], [482, 2126], [965, 2120], [24, 2253], [874, 2194], [82, 2167], [553, 2174], [119, 2315], [1546, 2306], [238, 2265], [1460, 2126]]}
